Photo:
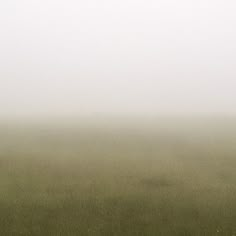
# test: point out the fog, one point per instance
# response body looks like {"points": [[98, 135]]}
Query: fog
{"points": [[67, 57]]}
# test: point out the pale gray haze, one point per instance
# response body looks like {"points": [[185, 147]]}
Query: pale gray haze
{"points": [[72, 57]]}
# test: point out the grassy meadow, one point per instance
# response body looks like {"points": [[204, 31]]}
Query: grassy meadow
{"points": [[141, 179]]}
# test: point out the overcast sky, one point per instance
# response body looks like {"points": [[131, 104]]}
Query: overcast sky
{"points": [[127, 56]]}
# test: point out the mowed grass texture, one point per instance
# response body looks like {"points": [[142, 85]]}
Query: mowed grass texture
{"points": [[118, 180]]}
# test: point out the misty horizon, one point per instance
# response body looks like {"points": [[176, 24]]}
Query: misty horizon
{"points": [[70, 58]]}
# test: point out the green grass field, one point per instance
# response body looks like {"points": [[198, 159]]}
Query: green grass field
{"points": [[148, 180]]}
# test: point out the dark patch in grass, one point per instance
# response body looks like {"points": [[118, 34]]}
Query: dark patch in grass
{"points": [[157, 182]]}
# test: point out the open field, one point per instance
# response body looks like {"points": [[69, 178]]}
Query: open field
{"points": [[118, 180]]}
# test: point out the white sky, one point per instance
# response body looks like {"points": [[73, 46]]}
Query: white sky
{"points": [[126, 56]]}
